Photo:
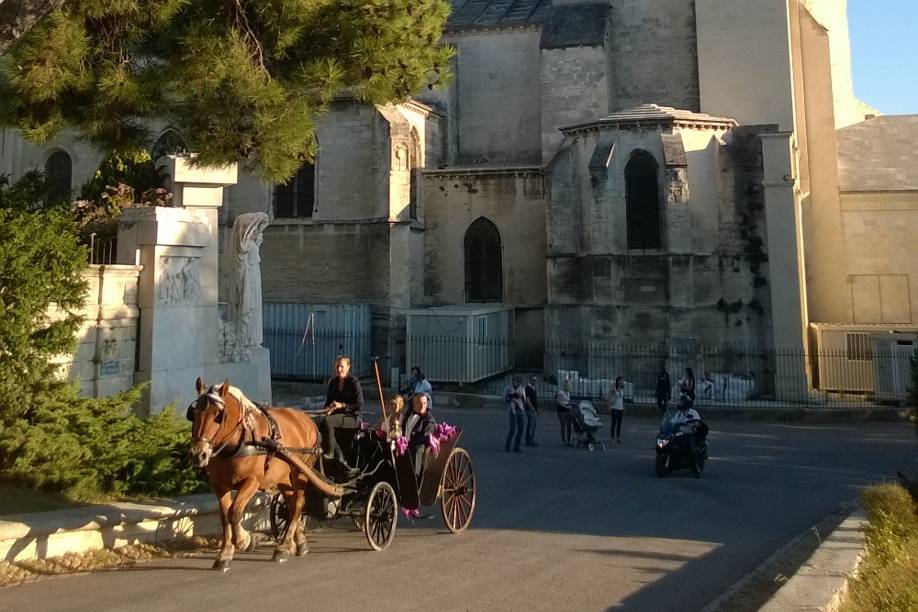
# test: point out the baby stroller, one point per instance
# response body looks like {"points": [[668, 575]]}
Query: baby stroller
{"points": [[586, 422]]}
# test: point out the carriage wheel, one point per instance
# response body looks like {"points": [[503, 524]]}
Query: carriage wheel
{"points": [[279, 515], [458, 493], [381, 516]]}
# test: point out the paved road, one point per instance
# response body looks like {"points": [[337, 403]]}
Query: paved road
{"points": [[556, 529]]}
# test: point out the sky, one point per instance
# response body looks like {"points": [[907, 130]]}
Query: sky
{"points": [[884, 53]]}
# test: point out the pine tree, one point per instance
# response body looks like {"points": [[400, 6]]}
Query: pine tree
{"points": [[41, 291], [242, 80]]}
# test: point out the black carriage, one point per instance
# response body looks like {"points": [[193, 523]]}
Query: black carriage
{"points": [[386, 481]]}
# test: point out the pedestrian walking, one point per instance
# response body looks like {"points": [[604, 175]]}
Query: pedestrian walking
{"points": [[664, 390], [532, 410], [515, 396], [616, 399], [687, 384], [563, 406]]}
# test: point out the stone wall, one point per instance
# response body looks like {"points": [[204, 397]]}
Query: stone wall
{"points": [[104, 361], [880, 230], [511, 198], [575, 89], [498, 95], [735, 79], [707, 285], [653, 55]]}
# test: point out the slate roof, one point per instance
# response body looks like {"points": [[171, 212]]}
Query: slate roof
{"points": [[879, 154], [473, 14]]}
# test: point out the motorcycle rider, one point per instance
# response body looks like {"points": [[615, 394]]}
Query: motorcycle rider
{"points": [[687, 420]]}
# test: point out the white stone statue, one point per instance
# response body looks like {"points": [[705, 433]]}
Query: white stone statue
{"points": [[244, 284]]}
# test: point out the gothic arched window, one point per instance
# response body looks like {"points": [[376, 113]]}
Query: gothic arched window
{"points": [[58, 176], [483, 266], [169, 143], [642, 202], [296, 197]]}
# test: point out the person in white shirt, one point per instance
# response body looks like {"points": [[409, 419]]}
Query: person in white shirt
{"points": [[515, 396], [616, 399], [563, 406]]}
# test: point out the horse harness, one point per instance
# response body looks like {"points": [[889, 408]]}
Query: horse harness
{"points": [[266, 446]]}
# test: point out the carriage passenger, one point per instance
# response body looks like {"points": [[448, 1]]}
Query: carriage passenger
{"points": [[392, 423], [417, 424], [343, 405]]}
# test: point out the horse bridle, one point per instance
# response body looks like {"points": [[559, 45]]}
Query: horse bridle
{"points": [[215, 397]]}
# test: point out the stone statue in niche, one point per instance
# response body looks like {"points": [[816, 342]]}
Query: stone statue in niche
{"points": [[244, 286], [401, 158], [678, 187]]}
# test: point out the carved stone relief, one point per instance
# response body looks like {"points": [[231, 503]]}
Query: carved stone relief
{"points": [[179, 281]]}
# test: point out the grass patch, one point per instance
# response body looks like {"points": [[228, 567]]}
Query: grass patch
{"points": [[16, 500], [887, 579]]}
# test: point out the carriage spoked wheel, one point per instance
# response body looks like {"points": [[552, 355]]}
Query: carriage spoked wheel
{"points": [[279, 516], [381, 516], [458, 492]]}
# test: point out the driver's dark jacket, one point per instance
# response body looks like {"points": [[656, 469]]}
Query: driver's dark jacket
{"points": [[350, 394]]}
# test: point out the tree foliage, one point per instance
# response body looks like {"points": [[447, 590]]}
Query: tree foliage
{"points": [[50, 437], [242, 80], [41, 291]]}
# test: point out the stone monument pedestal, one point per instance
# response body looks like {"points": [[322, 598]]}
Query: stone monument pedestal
{"points": [[178, 291]]}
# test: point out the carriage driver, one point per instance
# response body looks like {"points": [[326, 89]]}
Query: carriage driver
{"points": [[343, 405]]}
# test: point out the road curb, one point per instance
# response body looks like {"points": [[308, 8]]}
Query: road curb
{"points": [[41, 535], [821, 582]]}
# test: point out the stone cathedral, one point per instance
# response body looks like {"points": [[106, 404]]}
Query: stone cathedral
{"points": [[647, 172]]}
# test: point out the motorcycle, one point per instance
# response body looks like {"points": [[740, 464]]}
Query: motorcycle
{"points": [[674, 444]]}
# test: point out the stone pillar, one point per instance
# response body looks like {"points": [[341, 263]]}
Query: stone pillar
{"points": [[785, 267], [178, 248]]}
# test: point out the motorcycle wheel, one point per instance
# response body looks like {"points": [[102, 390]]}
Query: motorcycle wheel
{"points": [[660, 466]]}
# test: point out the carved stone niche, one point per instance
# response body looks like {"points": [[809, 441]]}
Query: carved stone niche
{"points": [[676, 188]]}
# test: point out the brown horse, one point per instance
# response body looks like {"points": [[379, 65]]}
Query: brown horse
{"points": [[226, 434]]}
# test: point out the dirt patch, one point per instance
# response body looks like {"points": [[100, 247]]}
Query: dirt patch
{"points": [[17, 572]]}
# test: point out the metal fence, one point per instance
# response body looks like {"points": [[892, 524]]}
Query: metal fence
{"points": [[304, 340], [724, 375]]}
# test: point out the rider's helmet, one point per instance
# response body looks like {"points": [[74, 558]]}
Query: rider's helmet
{"points": [[685, 402]]}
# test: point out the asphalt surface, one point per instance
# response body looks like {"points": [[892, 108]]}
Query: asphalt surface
{"points": [[555, 529]]}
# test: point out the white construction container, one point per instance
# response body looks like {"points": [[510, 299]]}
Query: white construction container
{"points": [[845, 354], [463, 343], [892, 357]]}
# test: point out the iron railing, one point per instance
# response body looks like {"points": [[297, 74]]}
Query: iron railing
{"points": [[724, 375]]}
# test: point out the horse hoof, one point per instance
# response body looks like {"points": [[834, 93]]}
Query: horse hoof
{"points": [[222, 564], [280, 556], [250, 547], [302, 549]]}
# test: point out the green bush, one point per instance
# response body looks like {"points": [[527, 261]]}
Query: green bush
{"points": [[41, 262], [86, 448], [50, 437], [888, 577]]}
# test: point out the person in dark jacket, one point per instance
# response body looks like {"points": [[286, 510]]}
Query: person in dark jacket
{"points": [[343, 405], [532, 410], [664, 390], [417, 424]]}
